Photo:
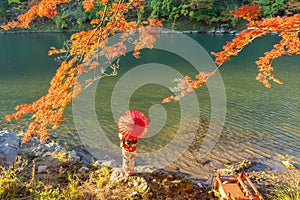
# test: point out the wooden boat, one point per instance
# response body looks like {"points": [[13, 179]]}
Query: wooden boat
{"points": [[238, 187]]}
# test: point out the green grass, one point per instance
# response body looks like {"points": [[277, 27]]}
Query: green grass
{"points": [[288, 188], [10, 184], [66, 181]]}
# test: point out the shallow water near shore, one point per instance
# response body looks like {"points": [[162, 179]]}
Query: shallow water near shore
{"points": [[260, 122]]}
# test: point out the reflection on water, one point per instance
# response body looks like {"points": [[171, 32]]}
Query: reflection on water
{"points": [[260, 122]]}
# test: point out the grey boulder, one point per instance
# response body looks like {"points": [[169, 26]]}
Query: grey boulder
{"points": [[9, 147]]}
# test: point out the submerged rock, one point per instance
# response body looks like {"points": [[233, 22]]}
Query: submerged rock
{"points": [[9, 148], [234, 168], [289, 164]]}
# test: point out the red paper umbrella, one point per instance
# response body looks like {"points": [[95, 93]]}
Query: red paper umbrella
{"points": [[133, 125]]}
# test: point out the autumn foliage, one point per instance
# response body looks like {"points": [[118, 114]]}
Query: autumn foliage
{"points": [[288, 29], [44, 8], [80, 53]]}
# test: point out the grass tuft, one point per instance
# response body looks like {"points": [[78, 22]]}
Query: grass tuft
{"points": [[288, 188]]}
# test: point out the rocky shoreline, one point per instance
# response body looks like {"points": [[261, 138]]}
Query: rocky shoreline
{"points": [[211, 30], [49, 162]]}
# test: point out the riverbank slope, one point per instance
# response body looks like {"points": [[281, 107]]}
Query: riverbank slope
{"points": [[49, 171]]}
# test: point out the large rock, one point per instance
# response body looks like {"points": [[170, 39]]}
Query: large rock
{"points": [[47, 155], [9, 148]]}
